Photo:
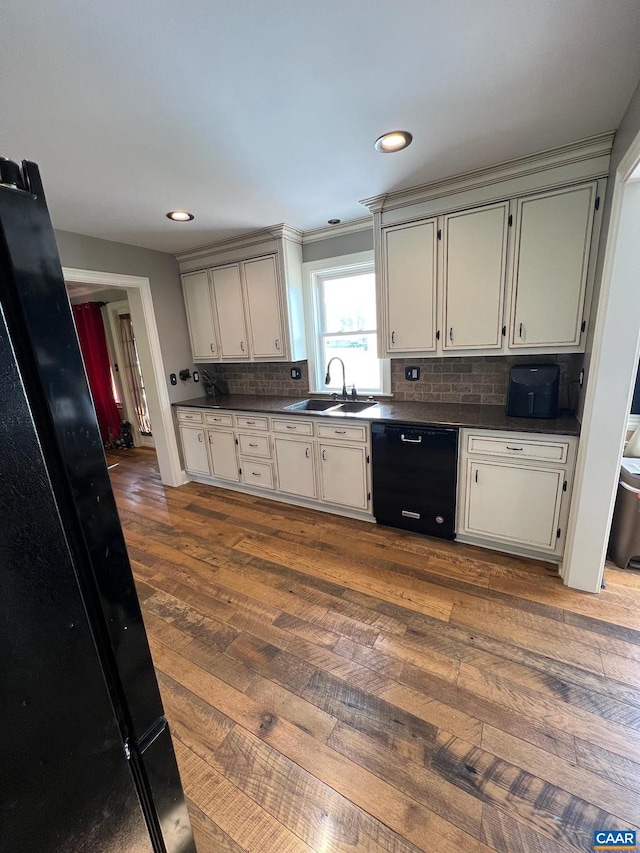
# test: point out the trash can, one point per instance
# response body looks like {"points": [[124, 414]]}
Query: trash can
{"points": [[624, 542]]}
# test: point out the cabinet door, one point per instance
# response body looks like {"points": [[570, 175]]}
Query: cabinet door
{"points": [[553, 239], [197, 299], [343, 475], [263, 308], [295, 467], [194, 448], [475, 252], [227, 292], [517, 504], [410, 286], [222, 450]]}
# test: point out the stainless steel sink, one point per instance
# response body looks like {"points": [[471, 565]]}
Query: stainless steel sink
{"points": [[354, 407], [312, 406]]}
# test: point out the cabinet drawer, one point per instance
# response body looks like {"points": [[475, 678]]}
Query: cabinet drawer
{"points": [[254, 445], [218, 420], [293, 427], [547, 451], [190, 416], [252, 422], [343, 432], [257, 473]]}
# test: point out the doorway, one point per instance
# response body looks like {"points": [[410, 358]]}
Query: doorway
{"points": [[612, 367], [137, 290]]}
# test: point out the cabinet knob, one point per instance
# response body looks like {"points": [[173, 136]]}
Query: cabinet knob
{"points": [[200, 437]]}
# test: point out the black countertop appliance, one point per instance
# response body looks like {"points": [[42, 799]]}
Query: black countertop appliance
{"points": [[533, 391], [87, 757], [414, 477]]}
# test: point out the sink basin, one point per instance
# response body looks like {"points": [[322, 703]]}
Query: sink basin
{"points": [[355, 407], [312, 406]]}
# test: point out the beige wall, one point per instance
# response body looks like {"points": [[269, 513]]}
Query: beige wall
{"points": [[81, 252]]}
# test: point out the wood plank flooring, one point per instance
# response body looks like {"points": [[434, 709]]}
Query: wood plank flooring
{"points": [[332, 685]]}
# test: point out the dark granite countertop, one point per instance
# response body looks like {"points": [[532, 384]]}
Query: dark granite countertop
{"points": [[433, 414]]}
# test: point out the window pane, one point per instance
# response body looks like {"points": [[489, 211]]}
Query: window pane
{"points": [[349, 303], [360, 357]]}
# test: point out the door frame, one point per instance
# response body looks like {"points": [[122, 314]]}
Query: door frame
{"points": [[138, 289], [611, 371], [113, 311]]}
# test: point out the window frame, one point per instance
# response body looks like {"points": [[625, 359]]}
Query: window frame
{"points": [[313, 273]]}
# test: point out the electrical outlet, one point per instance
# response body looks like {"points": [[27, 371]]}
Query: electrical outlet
{"points": [[296, 373], [195, 376], [173, 379], [581, 378], [412, 374]]}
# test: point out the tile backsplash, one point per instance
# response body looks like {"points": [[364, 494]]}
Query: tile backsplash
{"points": [[470, 379]]}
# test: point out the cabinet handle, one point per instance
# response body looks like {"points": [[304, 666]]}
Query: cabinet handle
{"points": [[200, 437], [291, 427], [242, 345], [217, 419], [340, 431], [393, 337], [306, 452], [451, 334], [252, 445], [476, 475], [521, 329], [256, 474], [514, 448], [213, 349], [277, 343], [324, 455]]}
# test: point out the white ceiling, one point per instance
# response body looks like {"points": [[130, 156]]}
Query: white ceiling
{"points": [[254, 112]]}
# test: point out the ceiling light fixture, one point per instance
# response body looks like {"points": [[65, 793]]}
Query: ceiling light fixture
{"points": [[180, 216], [395, 140]]}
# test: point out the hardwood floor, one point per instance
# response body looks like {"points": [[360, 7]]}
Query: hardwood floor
{"points": [[332, 685]]}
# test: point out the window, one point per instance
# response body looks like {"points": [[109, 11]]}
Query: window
{"points": [[341, 322]]}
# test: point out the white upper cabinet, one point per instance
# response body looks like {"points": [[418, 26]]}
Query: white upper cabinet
{"points": [[197, 298], [227, 295], [264, 314], [253, 299], [474, 269], [549, 270], [409, 287]]}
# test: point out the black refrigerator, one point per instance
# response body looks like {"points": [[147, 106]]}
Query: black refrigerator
{"points": [[87, 762]]}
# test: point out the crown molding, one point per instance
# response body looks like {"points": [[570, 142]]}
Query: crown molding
{"points": [[242, 241], [564, 155], [352, 226]]}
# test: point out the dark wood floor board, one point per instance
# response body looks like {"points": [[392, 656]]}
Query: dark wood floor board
{"points": [[402, 814], [618, 768], [239, 817], [536, 729], [530, 703], [413, 779], [615, 799], [315, 812], [336, 686], [208, 836]]}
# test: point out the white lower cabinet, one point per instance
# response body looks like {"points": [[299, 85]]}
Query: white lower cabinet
{"points": [[343, 475], [222, 452], [296, 469], [513, 491], [194, 449]]}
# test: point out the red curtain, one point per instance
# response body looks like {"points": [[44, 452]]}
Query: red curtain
{"points": [[93, 343]]}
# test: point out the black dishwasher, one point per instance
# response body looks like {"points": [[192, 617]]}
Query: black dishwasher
{"points": [[414, 477]]}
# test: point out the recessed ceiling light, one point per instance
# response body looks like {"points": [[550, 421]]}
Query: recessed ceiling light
{"points": [[334, 221], [180, 216], [395, 140]]}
